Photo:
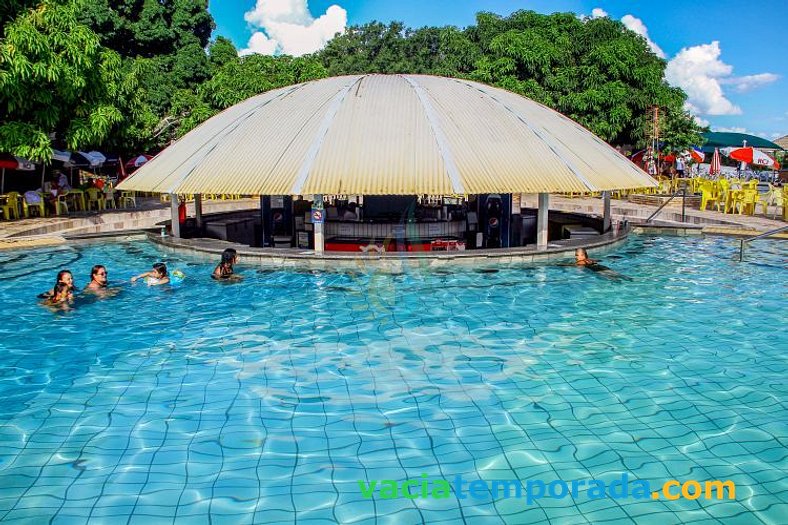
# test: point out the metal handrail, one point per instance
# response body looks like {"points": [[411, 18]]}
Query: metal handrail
{"points": [[683, 192], [761, 236]]}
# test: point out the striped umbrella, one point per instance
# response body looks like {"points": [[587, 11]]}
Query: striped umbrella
{"points": [[751, 156], [716, 166]]}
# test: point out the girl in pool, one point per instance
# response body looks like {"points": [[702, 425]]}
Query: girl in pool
{"points": [[224, 270], [63, 277], [62, 295], [155, 277]]}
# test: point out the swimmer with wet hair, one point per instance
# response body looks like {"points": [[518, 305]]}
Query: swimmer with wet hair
{"points": [[156, 277]]}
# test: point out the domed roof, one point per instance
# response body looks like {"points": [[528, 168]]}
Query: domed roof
{"points": [[388, 135]]}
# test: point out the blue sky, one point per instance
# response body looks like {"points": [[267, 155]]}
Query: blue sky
{"points": [[738, 84]]}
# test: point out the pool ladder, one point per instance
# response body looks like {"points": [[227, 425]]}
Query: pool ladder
{"points": [[761, 236]]}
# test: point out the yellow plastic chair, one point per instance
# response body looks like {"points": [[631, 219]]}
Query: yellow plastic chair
{"points": [[109, 199], [61, 205], [745, 201], [709, 194], [95, 198], [775, 197], [128, 199], [11, 206], [77, 198], [39, 207]]}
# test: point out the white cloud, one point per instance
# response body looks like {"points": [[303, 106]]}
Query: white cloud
{"points": [[733, 129], [750, 82], [700, 121], [698, 71], [286, 26], [637, 25], [261, 44], [598, 12]]}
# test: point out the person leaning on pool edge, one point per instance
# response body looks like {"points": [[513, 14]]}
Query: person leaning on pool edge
{"points": [[224, 270]]}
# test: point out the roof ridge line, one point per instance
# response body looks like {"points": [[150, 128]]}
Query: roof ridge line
{"points": [[545, 139], [443, 144], [314, 148], [227, 130]]}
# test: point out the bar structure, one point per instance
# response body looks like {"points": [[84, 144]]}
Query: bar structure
{"points": [[373, 163]]}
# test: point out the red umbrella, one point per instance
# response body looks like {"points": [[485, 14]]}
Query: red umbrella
{"points": [[138, 161], [10, 162], [751, 156], [716, 166]]}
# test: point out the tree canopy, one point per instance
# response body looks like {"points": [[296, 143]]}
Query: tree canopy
{"points": [[131, 75], [56, 80], [595, 71]]}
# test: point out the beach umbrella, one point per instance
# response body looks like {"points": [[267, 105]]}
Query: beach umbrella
{"points": [[697, 155], [11, 162], [716, 166], [138, 161], [751, 156]]}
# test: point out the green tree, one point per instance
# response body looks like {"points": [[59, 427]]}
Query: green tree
{"points": [[597, 71], [55, 78]]}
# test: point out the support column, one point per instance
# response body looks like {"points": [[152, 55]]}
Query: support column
{"points": [[176, 225], [318, 217], [541, 221], [198, 209], [606, 213]]}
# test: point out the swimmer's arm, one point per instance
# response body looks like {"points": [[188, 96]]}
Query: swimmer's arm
{"points": [[142, 276]]}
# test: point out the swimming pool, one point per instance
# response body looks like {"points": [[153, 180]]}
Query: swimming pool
{"points": [[268, 400]]}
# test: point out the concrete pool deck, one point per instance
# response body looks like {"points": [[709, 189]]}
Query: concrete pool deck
{"points": [[52, 231]]}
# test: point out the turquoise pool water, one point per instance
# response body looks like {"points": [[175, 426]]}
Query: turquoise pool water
{"points": [[267, 401]]}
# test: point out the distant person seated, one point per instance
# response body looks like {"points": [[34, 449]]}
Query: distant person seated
{"points": [[63, 277], [349, 212], [155, 277], [224, 270], [62, 182], [99, 184]]}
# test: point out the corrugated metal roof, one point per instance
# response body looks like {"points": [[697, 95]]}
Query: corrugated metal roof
{"points": [[387, 135]]}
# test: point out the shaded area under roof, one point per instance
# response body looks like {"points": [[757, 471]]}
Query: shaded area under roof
{"points": [[719, 139], [387, 135]]}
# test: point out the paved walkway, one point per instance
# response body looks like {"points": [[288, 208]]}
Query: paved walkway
{"points": [[710, 221], [52, 230], [149, 212]]}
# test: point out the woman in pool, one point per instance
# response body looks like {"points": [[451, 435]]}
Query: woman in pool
{"points": [[64, 277], [581, 259], [224, 270], [155, 277]]}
